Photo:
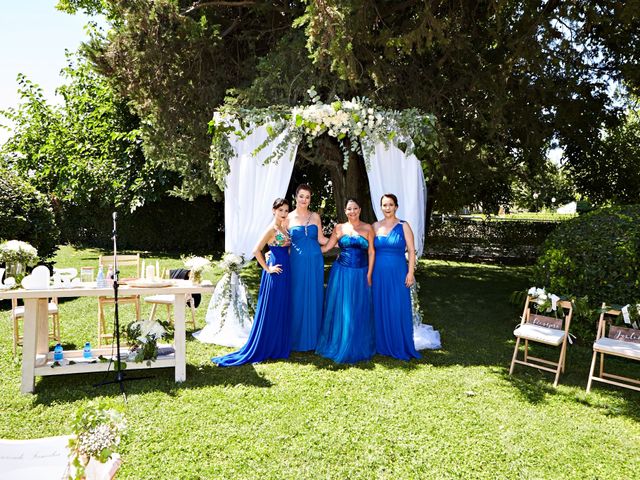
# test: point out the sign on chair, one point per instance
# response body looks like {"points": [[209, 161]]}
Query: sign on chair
{"points": [[624, 334], [544, 321]]}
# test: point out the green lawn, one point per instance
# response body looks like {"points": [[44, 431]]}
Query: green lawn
{"points": [[454, 414]]}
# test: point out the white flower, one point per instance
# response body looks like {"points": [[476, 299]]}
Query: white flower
{"points": [[16, 251], [197, 264]]}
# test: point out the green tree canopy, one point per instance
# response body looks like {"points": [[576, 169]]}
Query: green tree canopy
{"points": [[506, 79]]}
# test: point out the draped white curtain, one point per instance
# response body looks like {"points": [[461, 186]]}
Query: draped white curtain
{"points": [[391, 171], [251, 188]]}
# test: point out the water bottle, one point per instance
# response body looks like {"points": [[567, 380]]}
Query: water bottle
{"points": [[86, 351], [109, 281], [100, 280], [58, 354]]}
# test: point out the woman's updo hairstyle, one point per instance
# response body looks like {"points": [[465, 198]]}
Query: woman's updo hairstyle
{"points": [[391, 196], [352, 199], [278, 202]]}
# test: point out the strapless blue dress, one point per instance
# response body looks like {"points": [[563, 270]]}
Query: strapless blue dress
{"points": [[307, 287], [391, 298], [269, 336], [347, 334]]}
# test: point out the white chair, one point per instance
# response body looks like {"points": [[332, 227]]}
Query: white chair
{"points": [[17, 313], [619, 342], [546, 330], [168, 300]]}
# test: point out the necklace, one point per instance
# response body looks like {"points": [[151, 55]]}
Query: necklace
{"points": [[306, 225]]}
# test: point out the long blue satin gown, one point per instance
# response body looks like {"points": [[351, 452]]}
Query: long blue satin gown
{"points": [[347, 334], [307, 287], [391, 298], [269, 336]]}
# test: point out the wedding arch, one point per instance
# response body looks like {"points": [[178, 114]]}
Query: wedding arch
{"points": [[252, 158]]}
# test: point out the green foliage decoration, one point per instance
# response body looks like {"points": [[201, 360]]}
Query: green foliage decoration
{"points": [[26, 214], [357, 124], [595, 257]]}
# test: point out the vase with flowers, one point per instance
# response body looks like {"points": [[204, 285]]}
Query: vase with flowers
{"points": [[17, 256], [197, 266]]}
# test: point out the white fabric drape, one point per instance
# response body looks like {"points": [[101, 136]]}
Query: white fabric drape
{"points": [[251, 188], [391, 171]]}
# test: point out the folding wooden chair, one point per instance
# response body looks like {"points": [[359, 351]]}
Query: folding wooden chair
{"points": [[17, 313], [123, 261], [619, 342], [543, 329], [168, 300]]}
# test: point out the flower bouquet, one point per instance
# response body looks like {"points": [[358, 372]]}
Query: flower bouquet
{"points": [[97, 432], [143, 337], [197, 266], [17, 255], [231, 262]]}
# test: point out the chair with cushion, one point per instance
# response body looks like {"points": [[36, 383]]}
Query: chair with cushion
{"points": [[127, 262], [192, 300], [17, 313], [617, 341], [548, 330]]}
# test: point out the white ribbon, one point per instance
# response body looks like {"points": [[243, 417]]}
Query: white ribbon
{"points": [[625, 314], [554, 302]]}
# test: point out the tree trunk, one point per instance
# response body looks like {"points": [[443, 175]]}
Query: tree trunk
{"points": [[352, 182]]}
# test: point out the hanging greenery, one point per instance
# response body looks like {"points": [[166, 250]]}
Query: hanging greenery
{"points": [[357, 124]]}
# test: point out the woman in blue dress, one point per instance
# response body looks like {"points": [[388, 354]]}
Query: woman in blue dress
{"points": [[392, 280], [269, 336], [307, 272], [347, 334]]}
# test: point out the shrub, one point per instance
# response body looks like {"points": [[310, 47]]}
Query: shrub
{"points": [[516, 240], [597, 256], [169, 225], [25, 214]]}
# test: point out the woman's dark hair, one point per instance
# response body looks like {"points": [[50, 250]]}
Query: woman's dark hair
{"points": [[278, 202], [304, 186], [352, 199], [391, 196]]}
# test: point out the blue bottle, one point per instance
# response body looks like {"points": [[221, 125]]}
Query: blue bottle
{"points": [[86, 351], [100, 280], [58, 354]]}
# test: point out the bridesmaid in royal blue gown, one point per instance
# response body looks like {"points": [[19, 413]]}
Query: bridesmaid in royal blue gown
{"points": [[307, 272], [392, 279], [269, 336], [347, 334]]}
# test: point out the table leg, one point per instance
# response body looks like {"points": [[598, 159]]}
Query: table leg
{"points": [[35, 339], [179, 337]]}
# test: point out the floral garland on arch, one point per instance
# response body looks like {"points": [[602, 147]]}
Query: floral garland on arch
{"points": [[357, 124]]}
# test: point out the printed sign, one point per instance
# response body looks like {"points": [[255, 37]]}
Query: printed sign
{"points": [[624, 334], [544, 321]]}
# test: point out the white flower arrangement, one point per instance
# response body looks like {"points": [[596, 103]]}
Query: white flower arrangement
{"points": [[231, 262], [144, 336], [16, 251], [544, 301], [357, 120], [197, 266], [98, 431]]}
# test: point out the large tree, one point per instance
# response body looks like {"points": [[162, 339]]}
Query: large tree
{"points": [[506, 79]]}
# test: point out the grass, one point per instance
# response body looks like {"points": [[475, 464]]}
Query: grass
{"points": [[453, 414]]}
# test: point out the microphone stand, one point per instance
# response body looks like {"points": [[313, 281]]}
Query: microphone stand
{"points": [[120, 375]]}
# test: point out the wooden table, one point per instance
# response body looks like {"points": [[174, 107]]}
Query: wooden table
{"points": [[36, 358]]}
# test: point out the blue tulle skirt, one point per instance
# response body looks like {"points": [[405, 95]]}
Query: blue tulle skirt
{"points": [[347, 334]]}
